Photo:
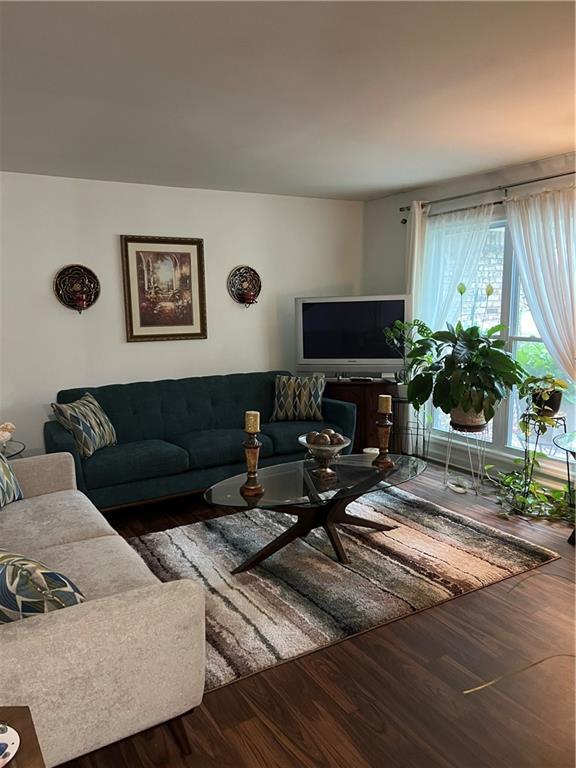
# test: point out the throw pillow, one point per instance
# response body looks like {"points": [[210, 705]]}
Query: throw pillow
{"points": [[91, 427], [9, 486], [299, 398], [28, 588]]}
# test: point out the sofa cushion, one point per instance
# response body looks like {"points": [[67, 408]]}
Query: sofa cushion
{"points": [[285, 434], [298, 398], [101, 567], [134, 461], [53, 518], [213, 447], [86, 420], [10, 490], [29, 587]]}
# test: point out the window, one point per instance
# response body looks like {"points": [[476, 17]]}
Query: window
{"points": [[476, 306], [507, 305], [528, 348]]}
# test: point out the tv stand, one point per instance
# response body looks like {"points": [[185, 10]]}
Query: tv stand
{"points": [[364, 394]]}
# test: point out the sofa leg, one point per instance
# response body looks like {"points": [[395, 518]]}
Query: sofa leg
{"points": [[178, 731]]}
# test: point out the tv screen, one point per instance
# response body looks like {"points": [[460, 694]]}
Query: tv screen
{"points": [[349, 330]]}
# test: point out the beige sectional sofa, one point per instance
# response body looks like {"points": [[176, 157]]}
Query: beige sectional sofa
{"points": [[128, 658]]}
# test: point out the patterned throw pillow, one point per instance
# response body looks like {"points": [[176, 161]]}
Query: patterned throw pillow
{"points": [[91, 428], [299, 398], [28, 588], [9, 486]]}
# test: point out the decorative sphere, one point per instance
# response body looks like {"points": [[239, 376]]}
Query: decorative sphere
{"points": [[322, 439], [336, 439], [328, 432], [311, 436]]}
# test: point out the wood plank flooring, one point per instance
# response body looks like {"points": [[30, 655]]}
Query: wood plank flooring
{"points": [[392, 697]]}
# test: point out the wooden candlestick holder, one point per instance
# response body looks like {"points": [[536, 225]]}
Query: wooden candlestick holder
{"points": [[384, 424], [252, 447]]}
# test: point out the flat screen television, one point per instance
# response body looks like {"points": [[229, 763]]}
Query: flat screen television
{"points": [[345, 334]]}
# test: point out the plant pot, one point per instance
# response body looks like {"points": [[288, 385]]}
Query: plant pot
{"points": [[467, 421], [548, 407], [402, 391]]}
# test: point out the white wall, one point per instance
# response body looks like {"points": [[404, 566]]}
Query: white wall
{"points": [[385, 235], [300, 246]]}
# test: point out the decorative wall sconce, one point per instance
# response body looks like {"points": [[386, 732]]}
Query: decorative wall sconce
{"points": [[76, 287], [244, 285]]}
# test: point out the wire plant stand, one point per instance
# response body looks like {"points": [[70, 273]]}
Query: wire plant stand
{"points": [[532, 422], [476, 442]]}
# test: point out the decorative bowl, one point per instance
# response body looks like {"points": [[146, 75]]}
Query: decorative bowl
{"points": [[9, 743], [324, 455]]}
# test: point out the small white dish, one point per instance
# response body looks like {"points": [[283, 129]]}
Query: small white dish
{"points": [[457, 487], [9, 743]]}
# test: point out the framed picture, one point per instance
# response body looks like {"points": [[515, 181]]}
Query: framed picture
{"points": [[164, 288]]}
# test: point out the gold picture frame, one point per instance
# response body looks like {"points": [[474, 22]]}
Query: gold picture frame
{"points": [[164, 288]]}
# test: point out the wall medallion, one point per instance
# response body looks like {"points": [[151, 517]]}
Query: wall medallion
{"points": [[76, 287], [244, 285]]}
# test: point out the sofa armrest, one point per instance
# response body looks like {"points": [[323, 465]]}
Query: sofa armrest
{"points": [[342, 413], [101, 671], [46, 473], [58, 439]]}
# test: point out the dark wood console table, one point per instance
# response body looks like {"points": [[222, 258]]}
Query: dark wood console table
{"points": [[29, 755], [364, 394]]}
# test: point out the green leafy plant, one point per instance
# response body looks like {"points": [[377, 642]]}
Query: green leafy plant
{"points": [[538, 390], [488, 291], [543, 386], [469, 368], [538, 362], [519, 493], [461, 288], [403, 337]]}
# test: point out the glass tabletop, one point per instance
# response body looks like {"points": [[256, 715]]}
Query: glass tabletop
{"points": [[566, 442], [12, 448], [296, 484]]}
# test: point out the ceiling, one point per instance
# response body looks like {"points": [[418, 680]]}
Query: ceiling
{"points": [[348, 100]]}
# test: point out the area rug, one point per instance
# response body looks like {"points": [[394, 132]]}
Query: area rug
{"points": [[301, 599]]}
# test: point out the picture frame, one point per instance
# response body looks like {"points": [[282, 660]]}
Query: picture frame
{"points": [[164, 288]]}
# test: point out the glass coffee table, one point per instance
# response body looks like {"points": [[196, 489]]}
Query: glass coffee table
{"points": [[13, 448], [296, 489]]}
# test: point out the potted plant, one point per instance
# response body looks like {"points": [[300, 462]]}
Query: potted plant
{"points": [[403, 337], [519, 493], [544, 394], [469, 375]]}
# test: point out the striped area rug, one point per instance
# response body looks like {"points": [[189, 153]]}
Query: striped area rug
{"points": [[301, 599]]}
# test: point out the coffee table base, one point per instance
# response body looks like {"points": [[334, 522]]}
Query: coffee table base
{"points": [[327, 516]]}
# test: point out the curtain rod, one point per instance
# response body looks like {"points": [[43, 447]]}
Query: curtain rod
{"points": [[467, 208], [501, 188]]}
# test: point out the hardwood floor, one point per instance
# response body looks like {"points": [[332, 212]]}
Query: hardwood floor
{"points": [[393, 696]]}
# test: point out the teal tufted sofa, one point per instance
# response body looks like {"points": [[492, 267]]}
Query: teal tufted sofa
{"points": [[182, 435]]}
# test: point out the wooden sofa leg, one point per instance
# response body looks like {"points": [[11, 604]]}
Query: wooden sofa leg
{"points": [[178, 731]]}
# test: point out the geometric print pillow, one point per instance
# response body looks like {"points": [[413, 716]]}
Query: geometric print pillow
{"points": [[9, 486], [91, 428], [28, 588], [299, 398]]}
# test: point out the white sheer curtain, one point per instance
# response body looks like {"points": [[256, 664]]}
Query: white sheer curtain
{"points": [[543, 230], [444, 250], [415, 252]]}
